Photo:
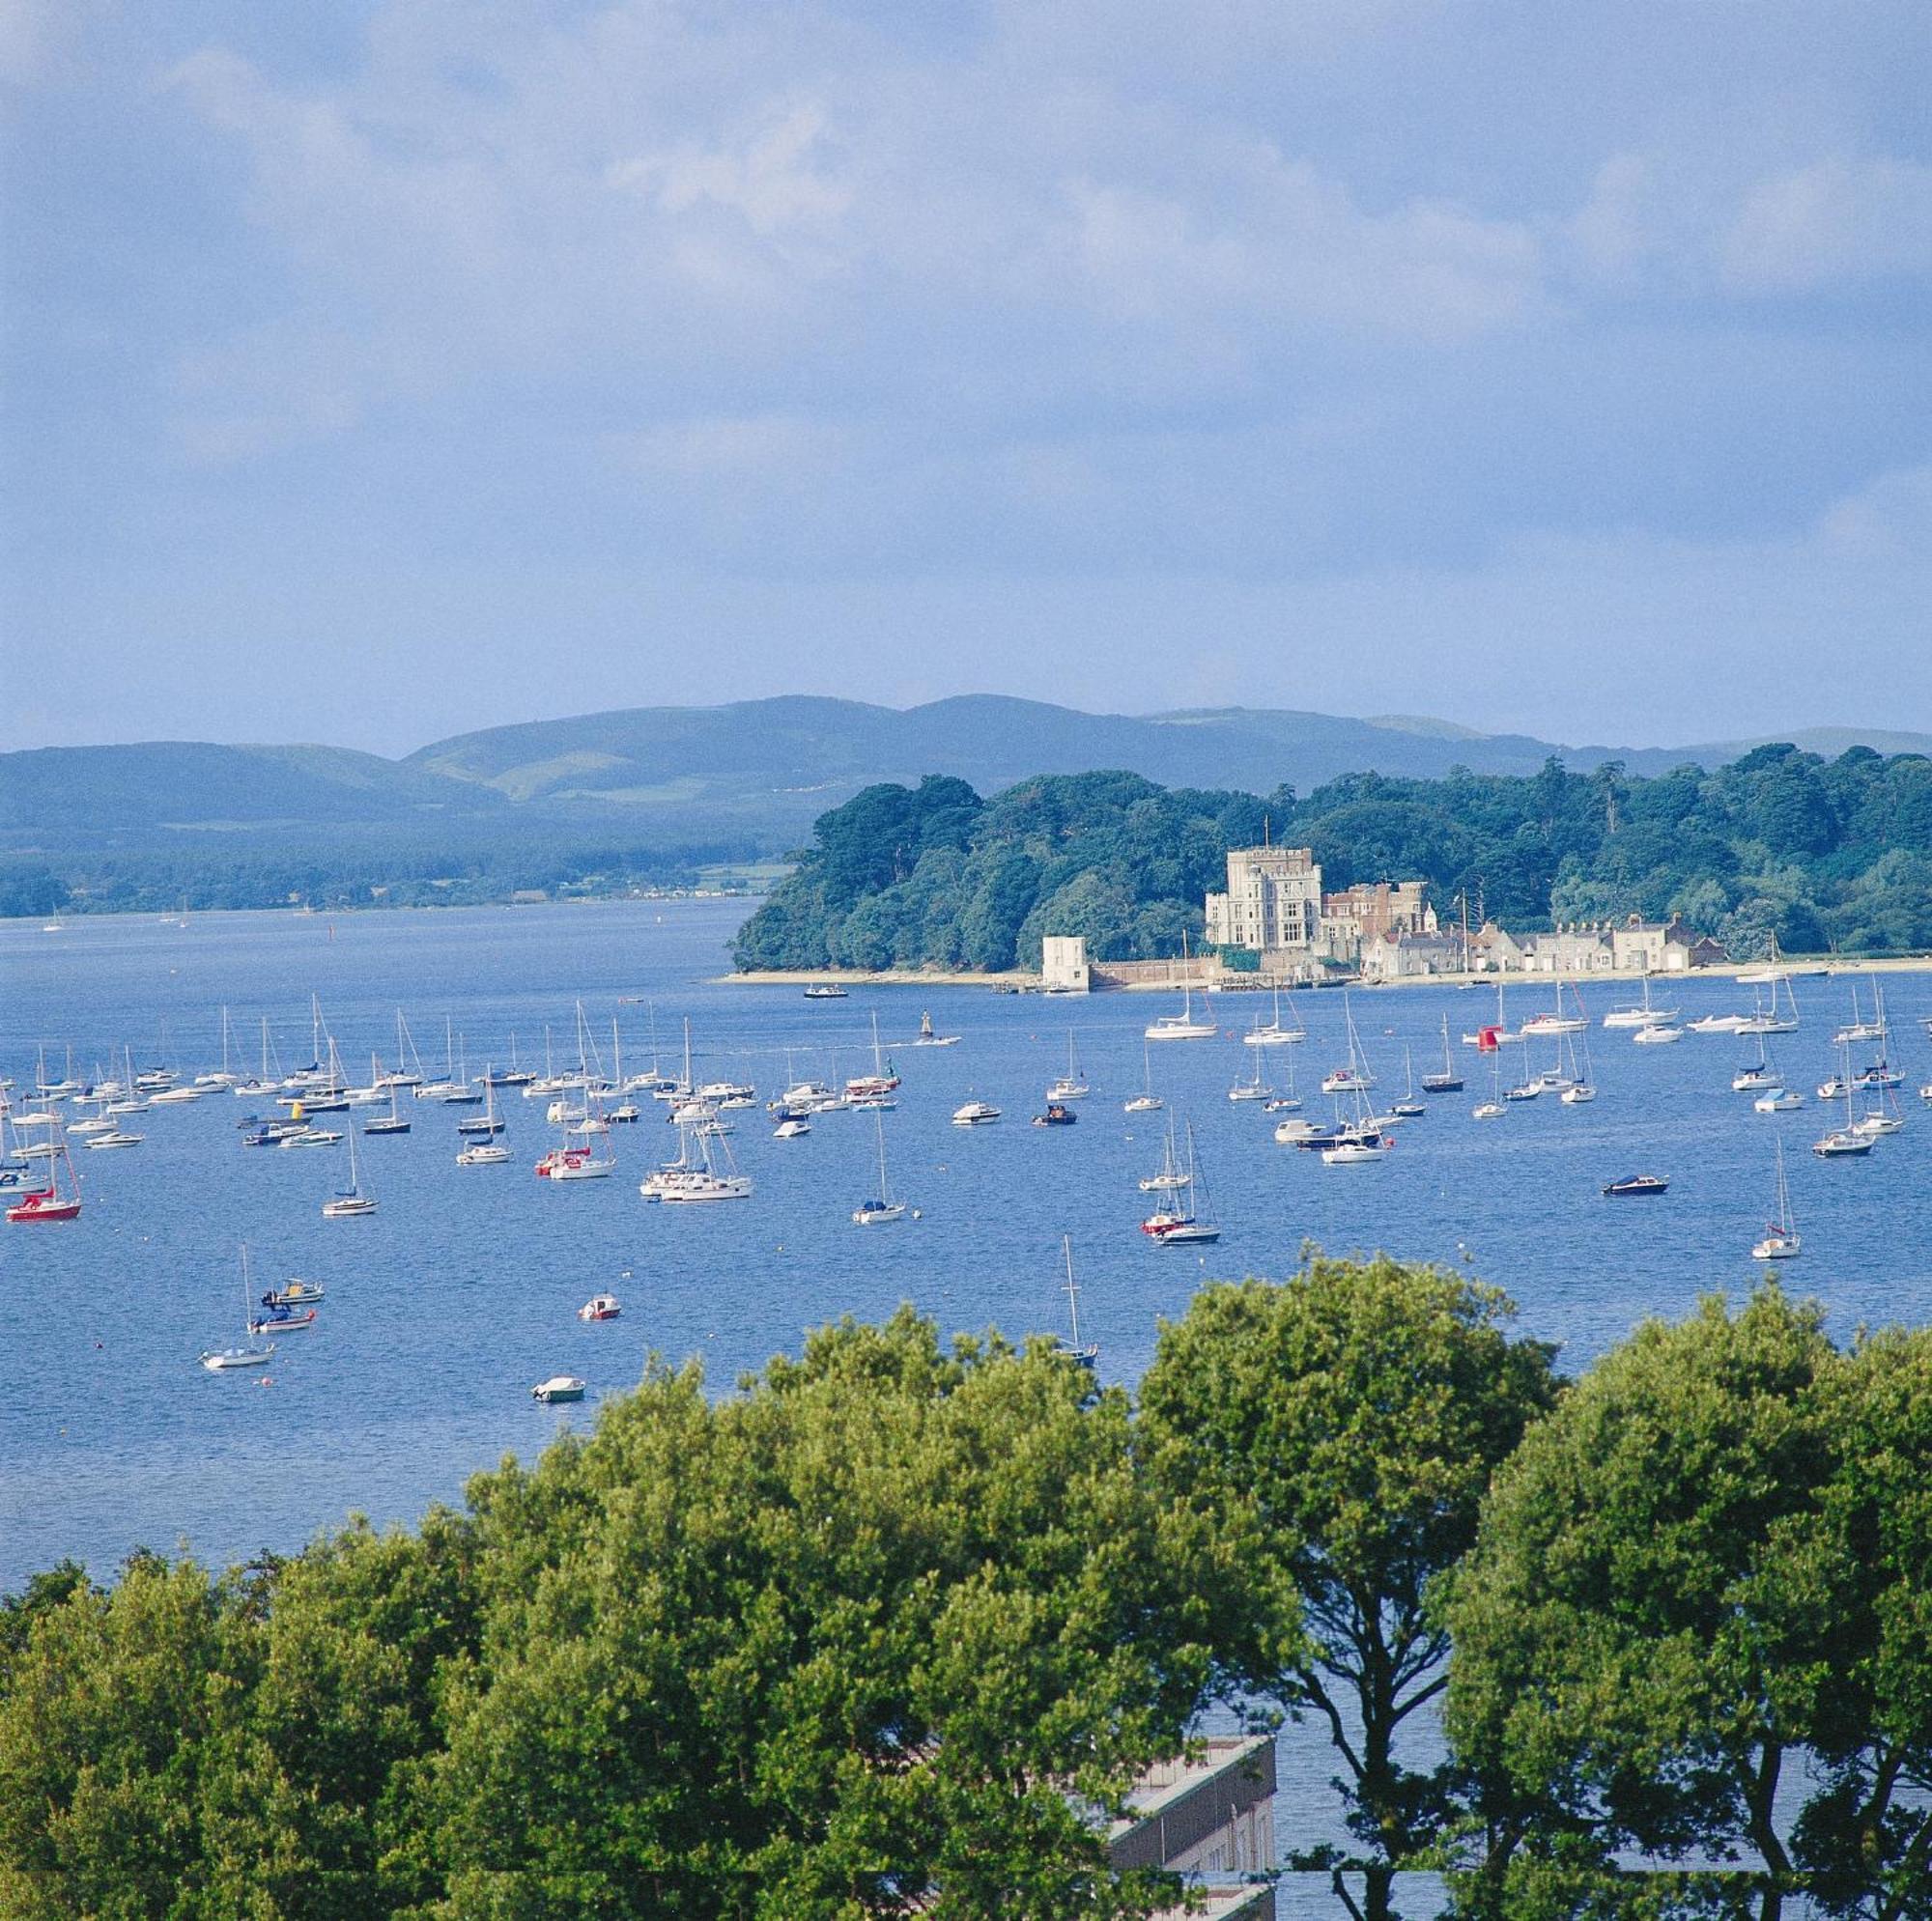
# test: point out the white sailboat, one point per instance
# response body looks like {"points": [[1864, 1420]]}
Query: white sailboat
{"points": [[1071, 1086], [1274, 1033], [1183, 1225], [1082, 1356], [243, 1356], [1780, 1240], [1645, 1016], [882, 1207], [1582, 1087], [1182, 1026], [1169, 1179], [1146, 1101], [1843, 1142], [1492, 1109], [347, 1202]]}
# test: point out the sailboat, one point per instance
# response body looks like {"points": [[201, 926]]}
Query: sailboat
{"points": [[1146, 1101], [1071, 1086], [1857, 1028], [1448, 1081], [489, 1123], [1492, 1109], [1780, 1240], [882, 1081], [1181, 1225], [1254, 1088], [1087, 1357], [1169, 1179], [1181, 1026], [869, 1213], [1582, 1087], [347, 1202], [1842, 1142], [486, 1150], [1408, 1108], [392, 1122], [1645, 1016], [240, 1357], [1355, 1077], [1273, 1033], [50, 1203], [1757, 1077], [686, 1180], [1764, 1017], [1557, 1021]]}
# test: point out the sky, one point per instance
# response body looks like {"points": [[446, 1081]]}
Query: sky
{"points": [[373, 372]]}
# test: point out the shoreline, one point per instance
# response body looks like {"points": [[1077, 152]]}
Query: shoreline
{"points": [[1029, 983]]}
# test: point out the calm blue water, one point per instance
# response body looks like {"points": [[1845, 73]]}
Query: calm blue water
{"points": [[445, 1306], [461, 1290]]}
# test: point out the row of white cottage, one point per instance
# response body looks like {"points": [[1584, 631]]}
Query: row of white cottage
{"points": [[1632, 945]]}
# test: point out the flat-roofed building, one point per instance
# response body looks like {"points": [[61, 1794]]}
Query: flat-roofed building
{"points": [[1062, 964], [1210, 1817]]}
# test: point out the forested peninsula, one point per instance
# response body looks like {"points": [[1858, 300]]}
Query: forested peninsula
{"points": [[893, 1629], [1817, 854]]}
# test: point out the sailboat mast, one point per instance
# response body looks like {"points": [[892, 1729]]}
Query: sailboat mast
{"points": [[1072, 1291]]}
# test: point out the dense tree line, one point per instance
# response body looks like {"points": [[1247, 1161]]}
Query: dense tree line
{"points": [[1780, 844], [890, 1631]]}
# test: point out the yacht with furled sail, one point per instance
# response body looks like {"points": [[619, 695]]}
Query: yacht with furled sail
{"points": [[1183, 1225], [883, 1080], [1071, 1086], [1846, 1142], [1183, 1026], [882, 1207], [230, 1359], [1274, 1033], [1447, 1081], [51, 1201], [1557, 1021], [1780, 1240], [1080, 1354], [1169, 1179], [348, 1202], [1643, 1016], [1146, 1101]]}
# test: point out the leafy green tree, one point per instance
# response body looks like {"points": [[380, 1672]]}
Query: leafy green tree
{"points": [[1647, 1632], [1353, 1416], [866, 1639]]}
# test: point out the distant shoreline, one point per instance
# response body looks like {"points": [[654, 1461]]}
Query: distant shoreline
{"points": [[1029, 983]]}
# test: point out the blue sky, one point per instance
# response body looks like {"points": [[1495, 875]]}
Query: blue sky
{"points": [[374, 372]]}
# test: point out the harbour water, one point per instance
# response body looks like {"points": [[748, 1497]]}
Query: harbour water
{"points": [[461, 1290]]}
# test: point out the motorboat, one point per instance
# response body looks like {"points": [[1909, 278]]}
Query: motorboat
{"points": [[310, 1137], [282, 1321], [825, 990], [1356, 1151], [790, 1128], [1057, 1115], [484, 1154], [975, 1113], [1780, 1100], [600, 1307], [117, 1139], [1636, 1186], [1659, 1035], [294, 1294], [559, 1388]]}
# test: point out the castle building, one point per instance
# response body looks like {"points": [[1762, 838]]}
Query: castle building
{"points": [[1274, 906]]}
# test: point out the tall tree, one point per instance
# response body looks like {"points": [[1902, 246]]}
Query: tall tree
{"points": [[1657, 1620], [1352, 1417]]}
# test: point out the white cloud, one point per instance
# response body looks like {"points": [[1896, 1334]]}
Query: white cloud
{"points": [[1834, 222]]}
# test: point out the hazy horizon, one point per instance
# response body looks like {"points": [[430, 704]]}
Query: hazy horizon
{"points": [[379, 372]]}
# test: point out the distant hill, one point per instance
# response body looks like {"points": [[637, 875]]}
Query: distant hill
{"points": [[615, 791]]}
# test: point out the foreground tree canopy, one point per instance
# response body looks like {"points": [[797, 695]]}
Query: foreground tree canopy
{"points": [[1778, 845], [891, 1630]]}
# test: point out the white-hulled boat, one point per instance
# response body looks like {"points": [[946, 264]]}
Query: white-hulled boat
{"points": [[228, 1359], [483, 1154], [1183, 1026], [975, 1113], [1780, 1100], [559, 1388], [1274, 1033], [600, 1307], [882, 1207], [1780, 1240], [1071, 1086], [349, 1202], [1183, 1225], [1146, 1101]]}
